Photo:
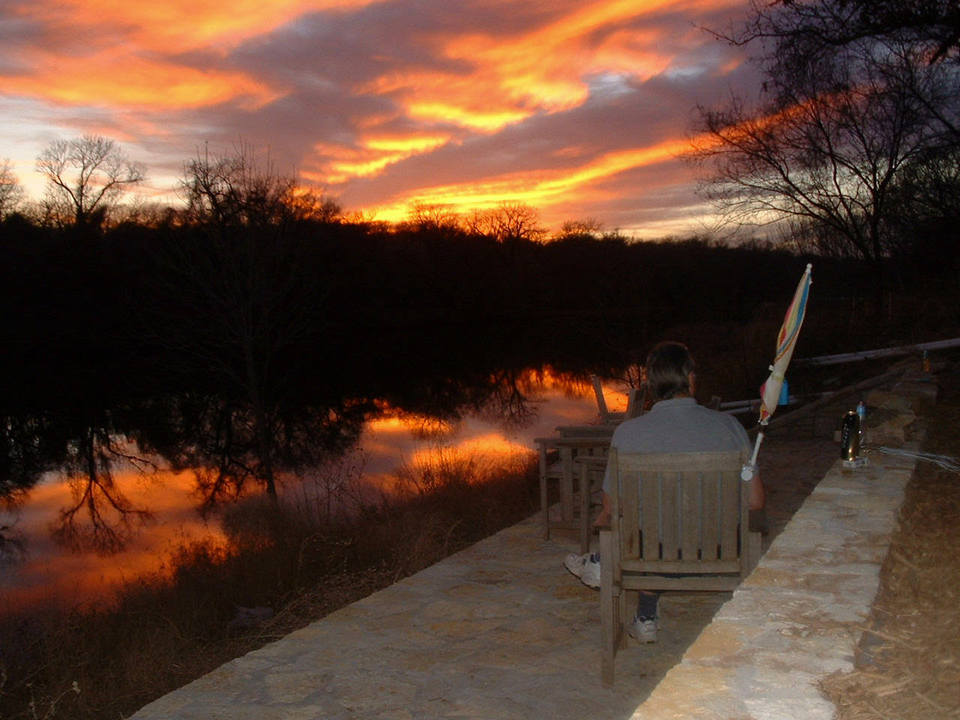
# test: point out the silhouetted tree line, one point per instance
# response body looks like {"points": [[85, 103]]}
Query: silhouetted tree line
{"points": [[253, 332], [298, 313]]}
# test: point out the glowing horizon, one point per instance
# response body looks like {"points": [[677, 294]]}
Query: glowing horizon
{"points": [[579, 110]]}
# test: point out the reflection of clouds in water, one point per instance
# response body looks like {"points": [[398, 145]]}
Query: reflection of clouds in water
{"points": [[49, 572], [420, 426], [491, 445], [393, 442], [83, 576], [399, 440]]}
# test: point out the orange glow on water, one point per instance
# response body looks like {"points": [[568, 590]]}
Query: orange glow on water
{"points": [[492, 445], [50, 574], [394, 445]]}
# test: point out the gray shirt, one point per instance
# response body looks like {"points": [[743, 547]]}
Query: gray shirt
{"points": [[675, 426]]}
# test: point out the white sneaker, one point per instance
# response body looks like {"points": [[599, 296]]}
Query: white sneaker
{"points": [[586, 567], [574, 563], [644, 631]]}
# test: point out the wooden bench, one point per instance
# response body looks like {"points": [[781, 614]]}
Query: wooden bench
{"points": [[671, 514]]}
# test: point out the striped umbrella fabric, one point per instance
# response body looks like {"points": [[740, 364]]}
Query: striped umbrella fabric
{"points": [[770, 390], [786, 340]]}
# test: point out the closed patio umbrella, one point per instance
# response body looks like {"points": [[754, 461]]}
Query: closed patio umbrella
{"points": [[786, 340]]}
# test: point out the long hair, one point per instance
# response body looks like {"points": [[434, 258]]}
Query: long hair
{"points": [[669, 365]]}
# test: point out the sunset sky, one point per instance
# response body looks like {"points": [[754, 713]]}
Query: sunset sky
{"points": [[577, 108]]}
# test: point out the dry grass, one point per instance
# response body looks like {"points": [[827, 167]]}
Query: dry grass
{"points": [[162, 633], [908, 663]]}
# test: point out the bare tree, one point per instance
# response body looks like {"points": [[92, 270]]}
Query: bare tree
{"points": [[11, 192], [798, 37], [86, 178], [100, 517], [313, 206], [235, 189], [927, 223], [589, 228], [828, 140], [802, 29], [508, 221], [237, 267], [433, 216]]}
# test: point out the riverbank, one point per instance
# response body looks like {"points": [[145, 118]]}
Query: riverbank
{"points": [[281, 569], [501, 630], [171, 649]]}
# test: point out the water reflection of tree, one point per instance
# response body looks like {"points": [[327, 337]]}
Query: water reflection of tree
{"points": [[216, 438], [86, 445], [513, 394], [30, 444], [441, 399], [425, 427], [240, 318], [100, 518], [11, 545]]}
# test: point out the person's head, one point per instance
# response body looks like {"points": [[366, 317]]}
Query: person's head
{"points": [[669, 371]]}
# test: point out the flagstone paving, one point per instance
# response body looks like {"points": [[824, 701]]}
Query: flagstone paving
{"points": [[500, 630]]}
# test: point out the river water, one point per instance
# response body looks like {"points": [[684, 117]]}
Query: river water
{"points": [[48, 572]]}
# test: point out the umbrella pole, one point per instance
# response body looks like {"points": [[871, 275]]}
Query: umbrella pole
{"points": [[750, 469], [756, 446]]}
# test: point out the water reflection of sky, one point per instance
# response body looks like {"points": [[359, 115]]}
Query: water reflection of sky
{"points": [[50, 572], [386, 444]]}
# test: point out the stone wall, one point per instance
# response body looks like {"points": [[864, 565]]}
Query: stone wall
{"points": [[800, 614]]}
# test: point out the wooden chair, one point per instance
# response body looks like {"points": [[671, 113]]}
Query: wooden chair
{"points": [[583, 443], [605, 414], [684, 513], [557, 463], [635, 403]]}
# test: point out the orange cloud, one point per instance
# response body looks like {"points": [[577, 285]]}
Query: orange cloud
{"points": [[117, 77], [374, 154], [116, 52], [180, 25], [446, 81], [476, 101], [540, 188], [545, 70]]}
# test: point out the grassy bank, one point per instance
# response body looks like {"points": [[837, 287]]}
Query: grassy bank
{"points": [[281, 568]]}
